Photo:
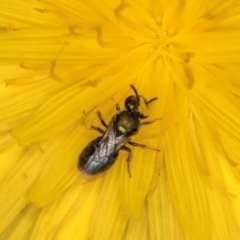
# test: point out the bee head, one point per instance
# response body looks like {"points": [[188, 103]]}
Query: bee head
{"points": [[132, 105]]}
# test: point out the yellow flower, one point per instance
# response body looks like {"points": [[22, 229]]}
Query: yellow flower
{"points": [[59, 59]]}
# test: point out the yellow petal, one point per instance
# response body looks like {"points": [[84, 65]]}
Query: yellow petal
{"points": [[22, 225], [21, 179], [59, 218], [163, 222]]}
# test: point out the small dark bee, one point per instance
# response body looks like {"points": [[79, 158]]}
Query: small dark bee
{"points": [[101, 153]]}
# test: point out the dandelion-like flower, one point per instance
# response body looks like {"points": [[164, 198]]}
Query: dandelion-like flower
{"points": [[59, 60]]}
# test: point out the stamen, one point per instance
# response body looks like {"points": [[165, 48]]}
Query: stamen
{"points": [[99, 37], [186, 56], [53, 65], [190, 78]]}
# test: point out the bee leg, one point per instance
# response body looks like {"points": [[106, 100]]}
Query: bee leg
{"points": [[142, 146], [129, 159], [101, 119], [97, 129], [117, 106], [150, 122]]}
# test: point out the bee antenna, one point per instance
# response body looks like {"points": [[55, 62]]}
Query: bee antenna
{"points": [[151, 100], [135, 91]]}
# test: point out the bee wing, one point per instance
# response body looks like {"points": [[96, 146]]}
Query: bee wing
{"points": [[110, 134], [120, 141]]}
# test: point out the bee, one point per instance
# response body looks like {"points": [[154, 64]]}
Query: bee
{"points": [[101, 153]]}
